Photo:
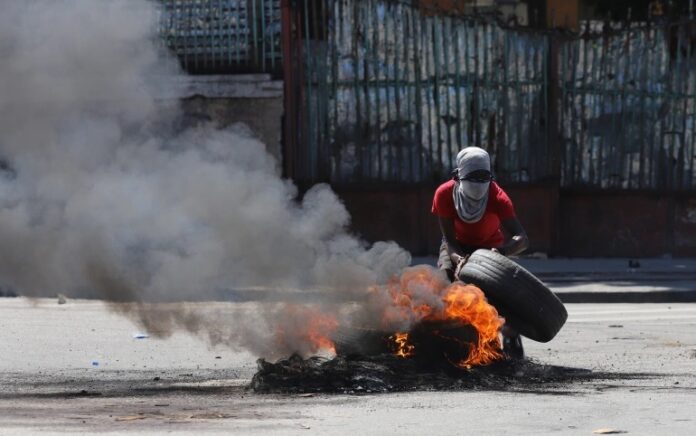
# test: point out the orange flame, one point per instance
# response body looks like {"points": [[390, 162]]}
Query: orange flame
{"points": [[318, 330], [306, 330], [403, 347], [423, 294], [468, 305]]}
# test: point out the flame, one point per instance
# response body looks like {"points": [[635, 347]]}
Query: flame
{"points": [[423, 294], [306, 330], [467, 304], [319, 327], [420, 293], [403, 347]]}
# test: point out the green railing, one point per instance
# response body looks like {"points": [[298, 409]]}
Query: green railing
{"points": [[223, 36]]}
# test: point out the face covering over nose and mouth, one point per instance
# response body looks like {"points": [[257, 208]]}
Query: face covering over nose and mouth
{"points": [[471, 198]]}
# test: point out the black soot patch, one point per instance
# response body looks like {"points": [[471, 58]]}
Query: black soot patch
{"points": [[355, 374]]}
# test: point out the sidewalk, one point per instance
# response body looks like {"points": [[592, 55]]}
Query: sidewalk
{"points": [[612, 280]]}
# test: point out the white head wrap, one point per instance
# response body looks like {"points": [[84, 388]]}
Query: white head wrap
{"points": [[471, 198]]}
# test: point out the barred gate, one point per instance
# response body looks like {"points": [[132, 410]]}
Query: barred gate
{"points": [[223, 36]]}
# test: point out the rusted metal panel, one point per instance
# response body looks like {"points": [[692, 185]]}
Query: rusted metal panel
{"points": [[559, 223], [614, 224], [403, 215], [537, 209], [563, 14], [685, 226]]}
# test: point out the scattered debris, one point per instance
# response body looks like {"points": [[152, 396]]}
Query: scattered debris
{"points": [[85, 393], [130, 417], [62, 299], [211, 415], [608, 431]]}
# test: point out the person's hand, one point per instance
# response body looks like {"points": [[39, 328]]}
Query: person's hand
{"points": [[460, 264]]}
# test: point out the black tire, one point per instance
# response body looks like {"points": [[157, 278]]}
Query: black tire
{"points": [[364, 341], [523, 300], [436, 342]]}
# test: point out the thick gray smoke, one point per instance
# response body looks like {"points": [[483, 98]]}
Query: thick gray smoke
{"points": [[101, 196]]}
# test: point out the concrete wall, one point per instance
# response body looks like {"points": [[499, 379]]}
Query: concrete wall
{"points": [[262, 115], [255, 100]]}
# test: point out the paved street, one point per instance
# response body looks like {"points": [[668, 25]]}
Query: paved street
{"points": [[78, 367]]}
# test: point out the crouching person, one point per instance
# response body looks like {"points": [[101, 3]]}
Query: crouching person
{"points": [[474, 212]]}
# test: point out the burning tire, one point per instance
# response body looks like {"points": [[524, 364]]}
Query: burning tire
{"points": [[431, 343], [526, 303]]}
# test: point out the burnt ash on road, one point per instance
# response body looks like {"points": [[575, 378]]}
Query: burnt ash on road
{"points": [[387, 373]]}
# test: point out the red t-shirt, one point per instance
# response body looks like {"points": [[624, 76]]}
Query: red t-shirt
{"points": [[484, 233]]}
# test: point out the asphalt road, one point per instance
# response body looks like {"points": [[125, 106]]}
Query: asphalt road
{"points": [[77, 368]]}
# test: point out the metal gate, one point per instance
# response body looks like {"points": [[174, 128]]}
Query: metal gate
{"points": [[384, 91], [387, 91], [629, 106]]}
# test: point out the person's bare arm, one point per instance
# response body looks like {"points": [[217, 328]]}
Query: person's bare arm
{"points": [[518, 241], [453, 248]]}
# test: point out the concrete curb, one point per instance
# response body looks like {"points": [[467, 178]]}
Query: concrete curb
{"points": [[628, 297]]}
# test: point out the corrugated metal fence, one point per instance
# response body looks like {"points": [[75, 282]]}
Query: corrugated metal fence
{"points": [[391, 94], [382, 90], [629, 106]]}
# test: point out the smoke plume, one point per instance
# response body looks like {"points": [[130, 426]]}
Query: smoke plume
{"points": [[103, 195]]}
